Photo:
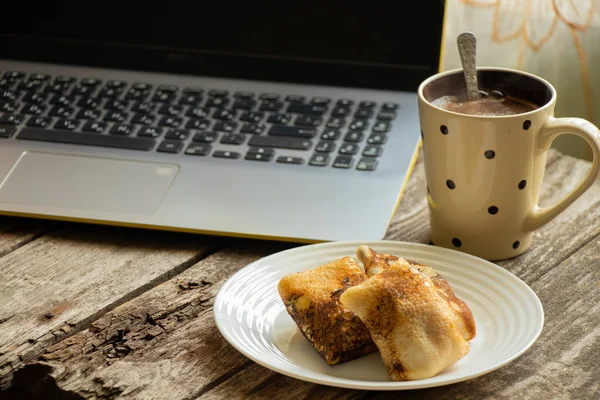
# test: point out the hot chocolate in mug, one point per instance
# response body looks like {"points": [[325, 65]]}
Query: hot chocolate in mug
{"points": [[484, 173]]}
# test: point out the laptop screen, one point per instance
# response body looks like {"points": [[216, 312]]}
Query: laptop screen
{"points": [[350, 43]]}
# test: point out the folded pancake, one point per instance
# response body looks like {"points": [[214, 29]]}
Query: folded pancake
{"points": [[312, 299], [414, 318]]}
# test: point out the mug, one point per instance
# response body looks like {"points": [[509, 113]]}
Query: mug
{"points": [[484, 173]]}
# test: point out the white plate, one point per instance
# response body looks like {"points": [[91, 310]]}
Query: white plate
{"points": [[251, 316]]}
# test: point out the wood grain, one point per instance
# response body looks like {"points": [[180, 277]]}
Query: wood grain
{"points": [[17, 232], [162, 344], [58, 284]]}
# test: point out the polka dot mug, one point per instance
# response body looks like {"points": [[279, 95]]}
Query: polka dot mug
{"points": [[484, 173]]}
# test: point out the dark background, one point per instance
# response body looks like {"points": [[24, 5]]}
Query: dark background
{"points": [[356, 43]]}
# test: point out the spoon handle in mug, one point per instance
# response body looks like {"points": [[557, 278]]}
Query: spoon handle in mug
{"points": [[467, 49], [553, 128]]}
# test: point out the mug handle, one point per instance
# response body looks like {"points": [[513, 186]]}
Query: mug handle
{"points": [[551, 129]]}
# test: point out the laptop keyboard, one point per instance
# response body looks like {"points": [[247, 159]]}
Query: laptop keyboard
{"points": [[338, 133]]}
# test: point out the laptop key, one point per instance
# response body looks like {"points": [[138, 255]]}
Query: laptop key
{"points": [[82, 90], [136, 94], [279, 118], [390, 106], [252, 116], [35, 109], [243, 94], [30, 85], [343, 162], [143, 119], [7, 131], [177, 134], [67, 124], [331, 134], [259, 156], [336, 123], [320, 100], [271, 106], [269, 96], [11, 119], [363, 113], [366, 164], [122, 129], [308, 120], [118, 105], [34, 98], [354, 136], [62, 100], [143, 107], [161, 96], [89, 114], [367, 104], [306, 109], [254, 129], [190, 99], [88, 102], [142, 86], [372, 151], [325, 147], [8, 95], [122, 142], [170, 146], [340, 112], [116, 84], [377, 138], [6, 84], [218, 92], [217, 102], [233, 138], [244, 104], [295, 131], [381, 127], [171, 122], [280, 142], [57, 87], [205, 137], [64, 79], [39, 122], [39, 77], [198, 149], [295, 98], [348, 148], [61, 111], [226, 126], [9, 107], [116, 116], [13, 75], [170, 109], [197, 112], [358, 125], [150, 131], [110, 92], [94, 126], [386, 115], [200, 124], [90, 82], [319, 160], [290, 160], [344, 103], [226, 154], [224, 115]]}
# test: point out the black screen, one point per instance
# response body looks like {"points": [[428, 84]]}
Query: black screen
{"points": [[356, 43]]}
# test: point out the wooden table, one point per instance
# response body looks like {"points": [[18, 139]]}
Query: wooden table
{"points": [[105, 312]]}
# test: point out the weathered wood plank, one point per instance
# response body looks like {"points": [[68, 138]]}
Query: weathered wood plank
{"points": [[17, 232], [59, 283], [162, 344]]}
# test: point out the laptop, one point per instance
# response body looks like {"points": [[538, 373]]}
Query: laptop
{"points": [[280, 120]]}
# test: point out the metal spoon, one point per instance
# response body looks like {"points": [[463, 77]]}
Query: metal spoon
{"points": [[467, 45]]}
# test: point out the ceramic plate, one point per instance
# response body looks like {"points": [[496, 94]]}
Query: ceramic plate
{"points": [[251, 316]]}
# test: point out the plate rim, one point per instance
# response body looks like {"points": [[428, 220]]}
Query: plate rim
{"points": [[373, 385]]}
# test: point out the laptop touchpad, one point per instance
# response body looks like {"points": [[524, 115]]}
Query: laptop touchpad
{"points": [[87, 183]]}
